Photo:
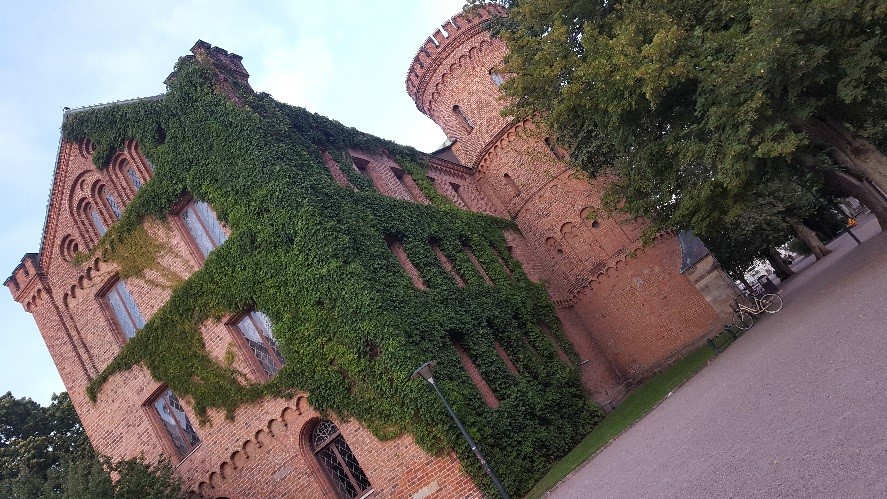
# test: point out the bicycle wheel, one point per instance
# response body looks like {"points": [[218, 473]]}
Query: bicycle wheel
{"points": [[743, 320], [771, 303]]}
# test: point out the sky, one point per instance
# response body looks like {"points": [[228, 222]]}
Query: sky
{"points": [[345, 59]]}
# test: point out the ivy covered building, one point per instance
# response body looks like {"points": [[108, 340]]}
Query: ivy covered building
{"points": [[244, 287]]}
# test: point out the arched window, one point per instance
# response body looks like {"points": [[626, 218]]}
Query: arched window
{"points": [[496, 77], [115, 208], [337, 461], [96, 220], [134, 178], [464, 119], [204, 227], [256, 330]]}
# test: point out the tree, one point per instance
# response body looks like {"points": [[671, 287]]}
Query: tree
{"points": [[44, 453], [690, 103], [33, 439], [773, 212]]}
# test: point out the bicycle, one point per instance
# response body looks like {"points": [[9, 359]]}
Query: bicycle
{"points": [[744, 316]]}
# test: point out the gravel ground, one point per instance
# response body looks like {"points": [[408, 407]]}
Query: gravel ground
{"points": [[797, 407]]}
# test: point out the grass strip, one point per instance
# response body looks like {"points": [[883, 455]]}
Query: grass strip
{"points": [[641, 401]]}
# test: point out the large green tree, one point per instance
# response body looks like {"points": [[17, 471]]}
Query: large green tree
{"points": [[44, 453], [691, 103]]}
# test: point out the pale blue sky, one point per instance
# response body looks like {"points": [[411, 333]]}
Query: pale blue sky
{"points": [[346, 59]]}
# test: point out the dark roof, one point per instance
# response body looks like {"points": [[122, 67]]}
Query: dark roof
{"points": [[446, 152], [692, 249]]}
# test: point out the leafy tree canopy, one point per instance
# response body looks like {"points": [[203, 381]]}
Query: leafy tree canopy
{"points": [[44, 453], [692, 103]]}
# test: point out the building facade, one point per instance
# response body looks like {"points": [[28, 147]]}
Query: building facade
{"points": [[625, 308]]}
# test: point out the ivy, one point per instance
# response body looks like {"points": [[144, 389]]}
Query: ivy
{"points": [[312, 255]]}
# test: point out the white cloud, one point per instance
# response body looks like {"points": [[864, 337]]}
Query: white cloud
{"points": [[346, 59]]}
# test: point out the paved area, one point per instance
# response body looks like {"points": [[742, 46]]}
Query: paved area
{"points": [[797, 407]]}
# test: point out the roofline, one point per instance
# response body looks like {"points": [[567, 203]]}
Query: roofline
{"points": [[115, 103], [58, 156], [448, 144]]}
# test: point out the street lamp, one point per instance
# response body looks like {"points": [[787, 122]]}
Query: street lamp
{"points": [[424, 372]]}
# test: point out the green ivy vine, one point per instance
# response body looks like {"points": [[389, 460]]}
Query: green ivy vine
{"points": [[312, 255]]}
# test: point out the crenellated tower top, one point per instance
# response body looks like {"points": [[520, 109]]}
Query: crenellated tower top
{"points": [[441, 43]]}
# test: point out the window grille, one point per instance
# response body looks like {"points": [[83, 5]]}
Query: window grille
{"points": [[176, 422], [204, 226], [115, 208], [128, 316], [134, 178], [256, 329], [338, 462], [97, 222]]}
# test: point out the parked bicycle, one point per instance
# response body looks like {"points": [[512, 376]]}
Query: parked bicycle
{"points": [[744, 316]]}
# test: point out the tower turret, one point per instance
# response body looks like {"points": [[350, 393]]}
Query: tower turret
{"points": [[453, 81], [623, 304]]}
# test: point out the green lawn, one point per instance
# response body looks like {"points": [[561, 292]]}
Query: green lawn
{"points": [[638, 403]]}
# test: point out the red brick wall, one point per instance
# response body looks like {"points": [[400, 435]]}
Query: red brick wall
{"points": [[642, 312], [260, 453], [625, 309]]}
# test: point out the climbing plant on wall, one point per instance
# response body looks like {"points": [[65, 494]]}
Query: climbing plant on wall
{"points": [[313, 256]]}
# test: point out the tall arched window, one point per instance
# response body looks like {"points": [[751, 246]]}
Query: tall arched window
{"points": [[96, 220], [134, 178], [496, 77], [338, 462]]}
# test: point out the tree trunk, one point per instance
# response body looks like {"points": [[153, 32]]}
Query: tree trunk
{"points": [[782, 269], [748, 287], [809, 237], [851, 151], [865, 193]]}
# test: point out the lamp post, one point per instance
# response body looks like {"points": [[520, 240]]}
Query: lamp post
{"points": [[424, 372]]}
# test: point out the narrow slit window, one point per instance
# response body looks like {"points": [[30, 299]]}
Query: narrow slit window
{"points": [[477, 264], [457, 110], [176, 422], [515, 190], [497, 78], [501, 260], [204, 226], [555, 150], [459, 197], [405, 262], [125, 310], [504, 356], [362, 166], [486, 393], [256, 330], [401, 177], [546, 331], [447, 265], [335, 171]]}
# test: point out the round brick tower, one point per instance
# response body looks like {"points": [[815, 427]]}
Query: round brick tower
{"points": [[452, 81], [624, 306]]}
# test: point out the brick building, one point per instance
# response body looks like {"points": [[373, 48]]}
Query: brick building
{"points": [[625, 308]]}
